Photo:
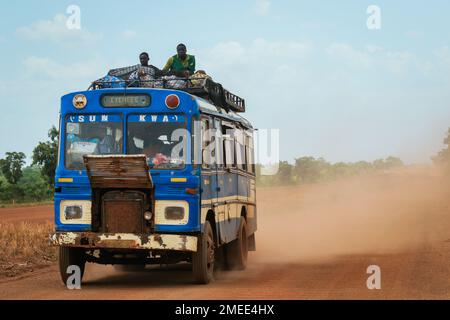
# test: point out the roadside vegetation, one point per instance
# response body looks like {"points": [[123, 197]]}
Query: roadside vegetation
{"points": [[442, 159], [29, 184], [313, 170], [25, 247], [306, 170]]}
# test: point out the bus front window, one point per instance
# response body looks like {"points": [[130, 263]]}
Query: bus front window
{"points": [[91, 134], [162, 138]]}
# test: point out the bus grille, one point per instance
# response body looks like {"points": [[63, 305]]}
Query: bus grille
{"points": [[123, 212]]}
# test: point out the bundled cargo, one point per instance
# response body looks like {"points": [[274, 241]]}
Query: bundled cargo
{"points": [[199, 84]]}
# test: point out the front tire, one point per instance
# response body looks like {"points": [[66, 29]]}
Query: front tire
{"points": [[237, 250], [203, 259], [69, 256]]}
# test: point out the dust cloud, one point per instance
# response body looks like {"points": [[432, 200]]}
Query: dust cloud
{"points": [[385, 213]]}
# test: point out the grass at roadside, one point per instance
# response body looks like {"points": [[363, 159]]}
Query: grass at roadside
{"points": [[25, 204], [25, 247]]}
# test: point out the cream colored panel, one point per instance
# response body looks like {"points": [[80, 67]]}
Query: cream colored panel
{"points": [[161, 205], [86, 207]]}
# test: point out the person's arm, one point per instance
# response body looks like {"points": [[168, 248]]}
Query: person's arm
{"points": [[159, 72], [168, 65], [191, 65]]}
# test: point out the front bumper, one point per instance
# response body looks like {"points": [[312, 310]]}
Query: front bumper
{"points": [[92, 240]]}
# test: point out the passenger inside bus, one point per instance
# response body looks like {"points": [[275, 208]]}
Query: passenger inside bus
{"points": [[95, 138], [154, 140]]}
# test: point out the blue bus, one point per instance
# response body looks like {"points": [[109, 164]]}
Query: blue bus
{"points": [[155, 176]]}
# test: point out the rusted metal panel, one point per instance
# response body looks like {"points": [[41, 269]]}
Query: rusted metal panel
{"points": [[118, 171], [123, 211], [125, 241], [123, 216]]}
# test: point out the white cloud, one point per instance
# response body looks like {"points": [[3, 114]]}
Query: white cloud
{"points": [[262, 7], [128, 34], [413, 34], [228, 53], [378, 58], [443, 56], [84, 70], [56, 30], [349, 55]]}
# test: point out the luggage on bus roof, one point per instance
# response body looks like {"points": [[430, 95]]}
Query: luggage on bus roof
{"points": [[199, 84]]}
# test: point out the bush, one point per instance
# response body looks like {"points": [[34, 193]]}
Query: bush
{"points": [[31, 187]]}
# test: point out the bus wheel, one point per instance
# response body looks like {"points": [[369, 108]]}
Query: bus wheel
{"points": [[237, 250], [69, 256], [203, 259]]}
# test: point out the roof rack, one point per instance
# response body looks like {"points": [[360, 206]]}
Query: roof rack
{"points": [[200, 87]]}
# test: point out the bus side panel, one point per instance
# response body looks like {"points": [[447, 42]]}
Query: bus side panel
{"points": [[209, 201], [227, 204], [251, 207]]}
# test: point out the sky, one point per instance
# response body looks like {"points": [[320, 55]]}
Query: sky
{"points": [[312, 69]]}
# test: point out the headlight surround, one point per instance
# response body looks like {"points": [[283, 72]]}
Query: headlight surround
{"points": [[171, 212], [75, 212]]}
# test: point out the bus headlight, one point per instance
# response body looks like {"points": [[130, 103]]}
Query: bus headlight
{"points": [[75, 212], [171, 212], [174, 213]]}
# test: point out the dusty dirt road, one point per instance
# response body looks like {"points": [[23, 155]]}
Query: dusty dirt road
{"points": [[26, 214], [314, 242]]}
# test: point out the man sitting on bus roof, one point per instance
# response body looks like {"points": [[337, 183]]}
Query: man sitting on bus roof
{"points": [[146, 71], [139, 70], [181, 64]]}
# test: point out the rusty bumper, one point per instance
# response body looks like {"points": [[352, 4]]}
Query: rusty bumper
{"points": [[94, 240]]}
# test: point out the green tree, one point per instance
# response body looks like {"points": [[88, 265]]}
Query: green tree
{"points": [[45, 155], [309, 169], [5, 189], [392, 162], [11, 166], [285, 173], [443, 157], [33, 186]]}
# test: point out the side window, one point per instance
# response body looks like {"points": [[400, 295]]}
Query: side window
{"points": [[206, 141], [218, 144], [228, 145], [249, 151], [240, 150]]}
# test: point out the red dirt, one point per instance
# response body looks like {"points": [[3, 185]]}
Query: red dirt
{"points": [[313, 242], [29, 214]]}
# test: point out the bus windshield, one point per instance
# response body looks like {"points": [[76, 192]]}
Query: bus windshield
{"points": [[91, 134], [162, 138]]}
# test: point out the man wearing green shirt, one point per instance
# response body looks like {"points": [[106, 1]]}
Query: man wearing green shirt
{"points": [[181, 64]]}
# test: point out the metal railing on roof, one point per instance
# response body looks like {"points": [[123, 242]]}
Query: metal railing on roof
{"points": [[201, 87]]}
